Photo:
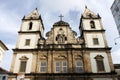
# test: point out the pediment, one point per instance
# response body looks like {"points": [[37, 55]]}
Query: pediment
{"points": [[89, 14], [24, 58], [43, 57], [33, 15]]}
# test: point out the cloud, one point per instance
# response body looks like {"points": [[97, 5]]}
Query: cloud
{"points": [[8, 22], [61, 6]]}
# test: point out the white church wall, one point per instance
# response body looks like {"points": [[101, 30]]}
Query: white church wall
{"points": [[93, 61], [86, 24], [102, 79], [22, 39], [89, 40], [35, 27], [1, 54], [14, 78], [24, 78], [29, 62]]}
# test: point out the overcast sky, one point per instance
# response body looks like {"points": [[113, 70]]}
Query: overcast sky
{"points": [[12, 11]]}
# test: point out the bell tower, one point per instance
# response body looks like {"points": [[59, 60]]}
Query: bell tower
{"points": [[31, 30], [92, 30]]}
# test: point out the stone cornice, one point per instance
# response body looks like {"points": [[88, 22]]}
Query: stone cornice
{"points": [[28, 31], [24, 50], [70, 74], [93, 30], [62, 49]]}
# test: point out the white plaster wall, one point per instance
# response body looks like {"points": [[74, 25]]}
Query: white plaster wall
{"points": [[14, 78], [93, 61], [89, 40], [118, 71], [86, 24], [27, 79], [22, 39], [1, 54], [24, 79], [102, 79], [36, 25], [29, 62]]}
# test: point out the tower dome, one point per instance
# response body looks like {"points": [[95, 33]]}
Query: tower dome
{"points": [[61, 23]]}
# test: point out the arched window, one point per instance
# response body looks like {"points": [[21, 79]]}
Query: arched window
{"points": [[30, 25], [92, 24]]}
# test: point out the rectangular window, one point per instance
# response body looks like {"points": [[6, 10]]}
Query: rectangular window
{"points": [[64, 66], [79, 66], [58, 66], [27, 42], [95, 41], [61, 66], [23, 66], [100, 65], [43, 66]]}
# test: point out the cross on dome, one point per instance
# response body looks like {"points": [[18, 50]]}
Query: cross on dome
{"points": [[61, 17]]}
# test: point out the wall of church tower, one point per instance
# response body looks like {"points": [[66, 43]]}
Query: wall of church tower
{"points": [[105, 61], [92, 31], [31, 31], [21, 44], [89, 38], [94, 38], [18, 62], [36, 26], [87, 26]]}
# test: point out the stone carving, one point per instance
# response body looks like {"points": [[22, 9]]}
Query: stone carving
{"points": [[24, 58]]}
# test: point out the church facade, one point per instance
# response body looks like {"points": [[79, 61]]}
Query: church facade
{"points": [[62, 55]]}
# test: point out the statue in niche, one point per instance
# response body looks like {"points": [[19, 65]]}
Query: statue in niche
{"points": [[61, 38]]}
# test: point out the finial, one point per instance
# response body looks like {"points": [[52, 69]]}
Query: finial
{"points": [[61, 17], [85, 6], [98, 15], [24, 17]]}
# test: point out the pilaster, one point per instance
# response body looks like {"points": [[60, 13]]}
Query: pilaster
{"points": [[13, 62], [34, 62]]}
